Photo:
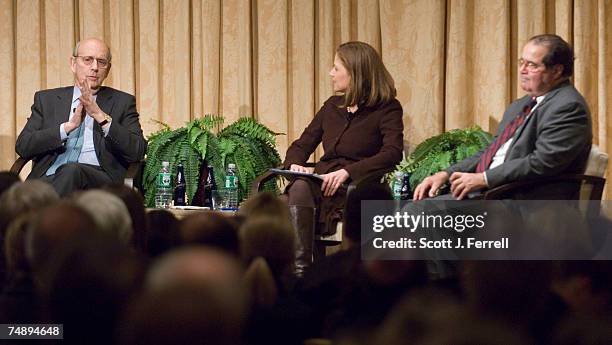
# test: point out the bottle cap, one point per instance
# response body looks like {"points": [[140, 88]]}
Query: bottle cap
{"points": [[231, 166], [399, 174], [165, 164]]}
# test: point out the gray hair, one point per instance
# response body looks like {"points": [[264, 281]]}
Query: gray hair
{"points": [[108, 212], [26, 196]]}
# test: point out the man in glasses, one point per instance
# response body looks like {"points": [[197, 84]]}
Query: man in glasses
{"points": [[547, 132], [85, 135]]}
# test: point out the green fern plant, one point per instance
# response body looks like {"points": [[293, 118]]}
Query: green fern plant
{"points": [[251, 146], [441, 151], [246, 143]]}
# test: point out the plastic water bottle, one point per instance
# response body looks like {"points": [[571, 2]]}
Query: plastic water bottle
{"points": [[180, 190], [163, 197], [231, 186], [398, 182]]}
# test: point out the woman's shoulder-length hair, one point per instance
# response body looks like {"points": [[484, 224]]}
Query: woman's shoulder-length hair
{"points": [[370, 82]]}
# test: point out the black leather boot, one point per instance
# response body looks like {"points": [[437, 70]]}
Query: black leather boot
{"points": [[303, 220]]}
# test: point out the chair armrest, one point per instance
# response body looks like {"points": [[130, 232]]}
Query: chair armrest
{"points": [[503, 191], [18, 165], [133, 175], [373, 177]]}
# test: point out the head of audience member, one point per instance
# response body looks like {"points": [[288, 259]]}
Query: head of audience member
{"points": [[352, 208], [196, 313], [585, 286], [108, 212], [261, 284], [270, 239], [22, 197], [51, 227], [90, 63], [163, 232], [265, 204], [7, 179], [135, 206], [17, 265], [88, 284], [199, 286], [197, 265], [360, 75], [546, 61], [210, 229]]}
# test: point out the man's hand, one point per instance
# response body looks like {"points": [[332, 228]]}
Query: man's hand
{"points": [[464, 183], [299, 168], [76, 119], [333, 181], [430, 186], [88, 102]]}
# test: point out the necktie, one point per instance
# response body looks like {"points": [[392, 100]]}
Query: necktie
{"points": [[487, 156], [74, 143]]}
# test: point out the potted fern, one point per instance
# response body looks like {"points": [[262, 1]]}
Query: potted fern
{"points": [[248, 144], [441, 151]]}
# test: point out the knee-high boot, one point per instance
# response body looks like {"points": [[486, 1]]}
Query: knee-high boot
{"points": [[303, 220]]}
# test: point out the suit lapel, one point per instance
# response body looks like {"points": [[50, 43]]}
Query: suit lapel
{"points": [[62, 105], [534, 114], [105, 102], [521, 128]]}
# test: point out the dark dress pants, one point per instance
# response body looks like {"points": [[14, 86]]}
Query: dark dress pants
{"points": [[77, 176]]}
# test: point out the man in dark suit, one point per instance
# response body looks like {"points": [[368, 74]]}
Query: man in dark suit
{"points": [[545, 133], [82, 136]]}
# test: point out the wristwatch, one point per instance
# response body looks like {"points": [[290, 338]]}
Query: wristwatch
{"points": [[106, 120]]}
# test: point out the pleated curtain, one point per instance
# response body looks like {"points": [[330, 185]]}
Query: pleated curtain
{"points": [[453, 61]]}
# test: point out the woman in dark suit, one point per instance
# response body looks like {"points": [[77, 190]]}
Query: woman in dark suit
{"points": [[361, 130]]}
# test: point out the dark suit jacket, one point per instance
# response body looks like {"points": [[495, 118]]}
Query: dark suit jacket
{"points": [[40, 138], [555, 139]]}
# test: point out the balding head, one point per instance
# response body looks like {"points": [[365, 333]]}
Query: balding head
{"points": [[195, 265], [96, 41], [210, 229], [90, 63]]}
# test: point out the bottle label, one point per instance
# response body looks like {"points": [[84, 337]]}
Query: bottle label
{"points": [[164, 180], [231, 182], [397, 190]]}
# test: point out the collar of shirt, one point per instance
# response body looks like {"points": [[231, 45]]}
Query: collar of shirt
{"points": [[539, 100], [76, 93]]}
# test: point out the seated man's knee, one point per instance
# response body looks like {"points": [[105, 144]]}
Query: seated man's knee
{"points": [[68, 178], [73, 170]]}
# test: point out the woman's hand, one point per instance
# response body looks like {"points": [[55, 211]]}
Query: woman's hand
{"points": [[333, 181], [299, 168]]}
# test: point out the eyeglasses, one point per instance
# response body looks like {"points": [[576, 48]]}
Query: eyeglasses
{"points": [[531, 66], [88, 60]]}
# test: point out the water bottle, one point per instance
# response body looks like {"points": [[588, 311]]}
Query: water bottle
{"points": [[406, 192], [398, 181], [163, 197], [180, 190], [231, 186]]}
